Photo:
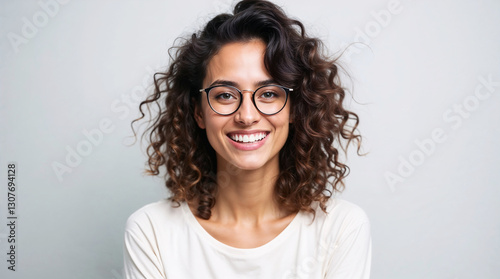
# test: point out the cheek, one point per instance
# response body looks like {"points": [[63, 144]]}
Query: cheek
{"points": [[286, 121], [282, 125], [203, 114], [285, 130], [285, 117], [213, 127]]}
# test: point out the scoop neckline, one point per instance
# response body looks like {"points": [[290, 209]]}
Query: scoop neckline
{"points": [[239, 252]]}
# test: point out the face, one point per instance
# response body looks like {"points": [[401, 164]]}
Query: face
{"points": [[246, 139]]}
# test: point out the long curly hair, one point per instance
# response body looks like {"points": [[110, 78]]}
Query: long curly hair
{"points": [[310, 169]]}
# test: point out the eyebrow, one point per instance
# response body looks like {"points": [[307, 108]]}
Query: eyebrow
{"points": [[235, 84]]}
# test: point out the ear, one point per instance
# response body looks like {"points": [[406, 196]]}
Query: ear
{"points": [[198, 116]]}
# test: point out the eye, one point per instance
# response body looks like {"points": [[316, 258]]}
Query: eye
{"points": [[224, 96], [268, 95]]}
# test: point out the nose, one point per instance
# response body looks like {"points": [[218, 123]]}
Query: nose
{"points": [[247, 114]]}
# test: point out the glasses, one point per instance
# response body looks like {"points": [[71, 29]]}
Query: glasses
{"points": [[227, 99]]}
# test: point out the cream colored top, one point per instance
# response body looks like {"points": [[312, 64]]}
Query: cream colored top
{"points": [[162, 241]]}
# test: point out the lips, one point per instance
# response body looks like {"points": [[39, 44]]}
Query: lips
{"points": [[247, 138]]}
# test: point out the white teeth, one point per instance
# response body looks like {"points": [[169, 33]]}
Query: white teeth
{"points": [[249, 138]]}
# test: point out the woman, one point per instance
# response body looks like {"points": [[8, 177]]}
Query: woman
{"points": [[249, 113]]}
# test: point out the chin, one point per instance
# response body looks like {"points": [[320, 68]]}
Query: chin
{"points": [[254, 163], [249, 166]]}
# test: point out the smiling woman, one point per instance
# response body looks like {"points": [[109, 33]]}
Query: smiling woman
{"points": [[242, 64], [249, 113]]}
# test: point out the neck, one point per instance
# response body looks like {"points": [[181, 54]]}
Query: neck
{"points": [[246, 195]]}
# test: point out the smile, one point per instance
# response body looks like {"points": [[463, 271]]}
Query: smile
{"points": [[248, 138]]}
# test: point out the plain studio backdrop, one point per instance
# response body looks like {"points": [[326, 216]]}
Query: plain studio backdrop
{"points": [[425, 77]]}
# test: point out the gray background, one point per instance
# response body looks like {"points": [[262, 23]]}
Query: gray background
{"points": [[87, 62]]}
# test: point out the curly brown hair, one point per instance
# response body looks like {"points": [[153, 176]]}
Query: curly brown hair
{"points": [[310, 169]]}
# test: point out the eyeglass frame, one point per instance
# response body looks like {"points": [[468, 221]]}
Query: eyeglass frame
{"points": [[286, 89]]}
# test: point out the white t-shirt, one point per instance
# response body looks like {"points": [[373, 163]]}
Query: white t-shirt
{"points": [[162, 241]]}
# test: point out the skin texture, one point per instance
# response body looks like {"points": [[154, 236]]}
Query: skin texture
{"points": [[245, 214]]}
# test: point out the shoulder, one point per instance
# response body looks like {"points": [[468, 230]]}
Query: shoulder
{"points": [[346, 238], [152, 215], [342, 209], [340, 216], [147, 232]]}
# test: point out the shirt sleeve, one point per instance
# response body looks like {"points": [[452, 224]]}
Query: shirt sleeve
{"points": [[141, 253], [351, 256]]}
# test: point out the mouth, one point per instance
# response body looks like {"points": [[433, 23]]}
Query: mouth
{"points": [[248, 138]]}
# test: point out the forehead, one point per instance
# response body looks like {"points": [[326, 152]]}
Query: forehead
{"points": [[242, 63]]}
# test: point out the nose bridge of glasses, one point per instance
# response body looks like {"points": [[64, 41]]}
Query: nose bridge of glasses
{"points": [[247, 109], [247, 91]]}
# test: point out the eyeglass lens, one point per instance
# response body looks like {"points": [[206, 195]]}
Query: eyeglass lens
{"points": [[226, 100]]}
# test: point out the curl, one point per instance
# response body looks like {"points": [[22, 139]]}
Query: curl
{"points": [[310, 165]]}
